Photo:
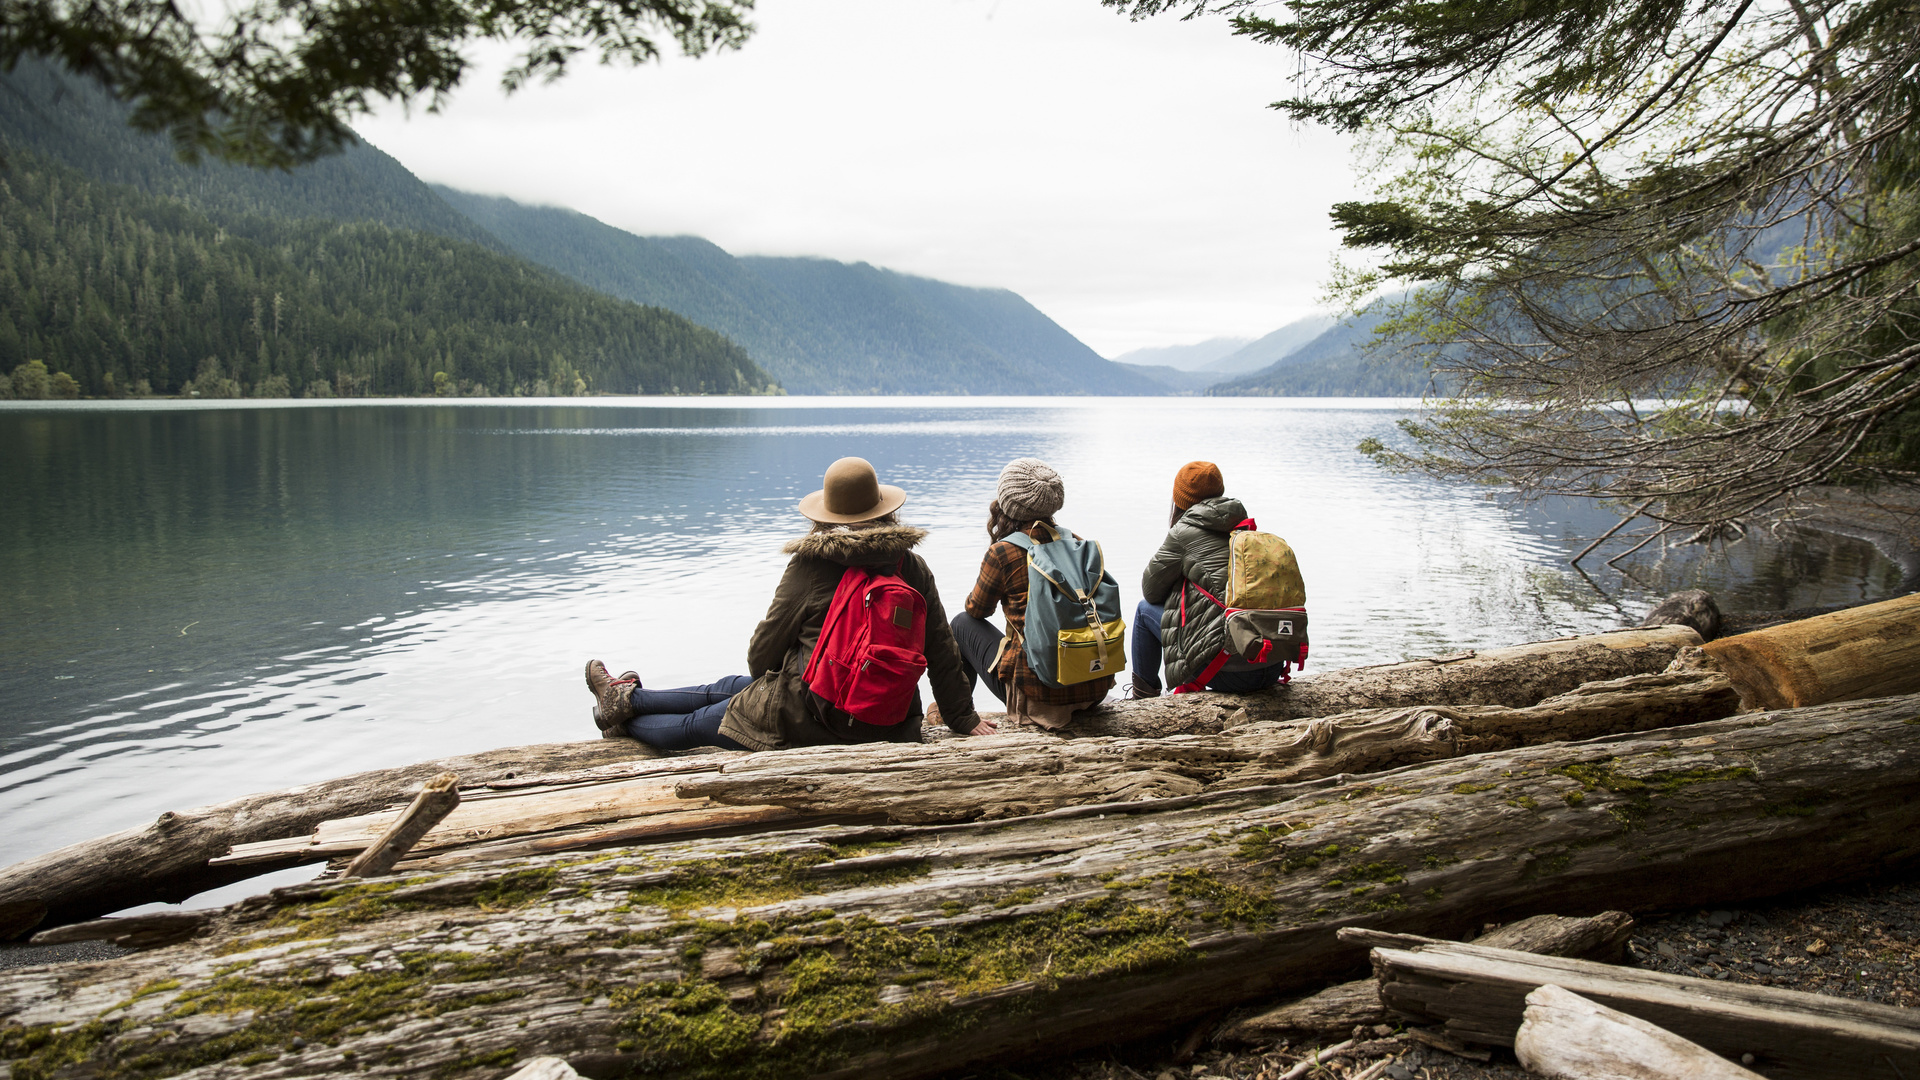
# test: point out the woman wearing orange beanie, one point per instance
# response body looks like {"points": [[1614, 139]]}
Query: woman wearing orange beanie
{"points": [[1195, 550]]}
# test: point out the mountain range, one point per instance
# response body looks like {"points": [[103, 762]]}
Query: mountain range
{"points": [[822, 327], [124, 266]]}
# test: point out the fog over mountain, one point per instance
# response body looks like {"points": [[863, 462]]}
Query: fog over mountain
{"points": [[1184, 357], [820, 326], [1273, 347]]}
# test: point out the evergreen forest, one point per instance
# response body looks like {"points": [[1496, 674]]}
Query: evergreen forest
{"points": [[213, 283]]}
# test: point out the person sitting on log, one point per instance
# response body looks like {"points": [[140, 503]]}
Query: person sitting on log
{"points": [[857, 547], [1028, 495], [1195, 550]]}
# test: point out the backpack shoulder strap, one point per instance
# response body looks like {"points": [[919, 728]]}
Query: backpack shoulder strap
{"points": [[1020, 540]]}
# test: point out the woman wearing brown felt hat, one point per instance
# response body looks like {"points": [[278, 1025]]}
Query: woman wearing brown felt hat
{"points": [[854, 526]]}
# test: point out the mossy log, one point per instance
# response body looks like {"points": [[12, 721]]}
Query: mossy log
{"points": [[909, 951], [169, 859], [1861, 652]]}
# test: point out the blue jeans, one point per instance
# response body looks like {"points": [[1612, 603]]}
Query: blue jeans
{"points": [[687, 717], [1148, 648]]}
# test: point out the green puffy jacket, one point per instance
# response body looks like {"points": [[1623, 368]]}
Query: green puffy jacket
{"points": [[777, 710], [1195, 550]]}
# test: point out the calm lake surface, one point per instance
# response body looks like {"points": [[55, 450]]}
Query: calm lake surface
{"points": [[207, 600]]}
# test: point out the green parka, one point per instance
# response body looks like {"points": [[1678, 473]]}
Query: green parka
{"points": [[1195, 550], [777, 710]]}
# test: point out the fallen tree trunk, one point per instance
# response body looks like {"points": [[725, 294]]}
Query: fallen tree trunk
{"points": [[172, 858], [168, 859], [967, 779], [1337, 1010], [1861, 652], [1515, 676], [636, 800], [1004, 776], [1480, 994], [907, 951], [1567, 1036]]}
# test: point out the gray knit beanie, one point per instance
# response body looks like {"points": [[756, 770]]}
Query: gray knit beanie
{"points": [[1029, 489]]}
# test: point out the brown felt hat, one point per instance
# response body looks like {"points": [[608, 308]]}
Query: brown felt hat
{"points": [[1195, 482], [850, 492]]}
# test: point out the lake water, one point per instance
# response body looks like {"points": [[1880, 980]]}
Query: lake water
{"points": [[204, 600]]}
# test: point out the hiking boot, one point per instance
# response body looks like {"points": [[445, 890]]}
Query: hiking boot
{"points": [[612, 698], [1141, 690]]}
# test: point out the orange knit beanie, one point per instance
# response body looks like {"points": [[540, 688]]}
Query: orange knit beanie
{"points": [[1197, 480]]}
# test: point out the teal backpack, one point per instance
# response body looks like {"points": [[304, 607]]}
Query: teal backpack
{"points": [[1074, 631]]}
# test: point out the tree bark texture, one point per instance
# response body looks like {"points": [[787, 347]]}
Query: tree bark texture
{"points": [[1480, 995], [1565, 1035], [172, 858], [1514, 676], [1011, 776], [1338, 1009], [167, 860], [909, 951], [1861, 652]]}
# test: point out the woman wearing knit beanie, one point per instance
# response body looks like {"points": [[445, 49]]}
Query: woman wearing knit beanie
{"points": [[1195, 550], [1027, 497]]}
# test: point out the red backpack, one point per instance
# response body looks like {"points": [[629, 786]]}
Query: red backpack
{"points": [[871, 650]]}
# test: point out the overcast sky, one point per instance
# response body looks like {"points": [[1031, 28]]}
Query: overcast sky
{"points": [[1127, 178]]}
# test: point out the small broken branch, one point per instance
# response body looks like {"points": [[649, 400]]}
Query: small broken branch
{"points": [[436, 800]]}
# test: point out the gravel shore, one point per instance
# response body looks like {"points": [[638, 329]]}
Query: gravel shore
{"points": [[1860, 941]]}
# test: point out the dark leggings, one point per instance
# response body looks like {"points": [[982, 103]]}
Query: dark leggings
{"points": [[979, 642], [686, 717]]}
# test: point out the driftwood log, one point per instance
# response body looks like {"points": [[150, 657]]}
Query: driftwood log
{"points": [[1480, 994], [1567, 1036], [1860, 652], [1338, 1009], [633, 802], [171, 859], [167, 860], [966, 779], [906, 951], [1514, 676], [998, 777]]}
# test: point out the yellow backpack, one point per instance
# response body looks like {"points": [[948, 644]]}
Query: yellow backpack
{"points": [[1262, 571]]}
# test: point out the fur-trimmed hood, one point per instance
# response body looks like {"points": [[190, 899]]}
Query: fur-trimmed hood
{"points": [[857, 546]]}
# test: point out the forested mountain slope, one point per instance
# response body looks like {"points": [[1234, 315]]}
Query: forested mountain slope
{"points": [[1271, 348], [115, 286], [1337, 364], [818, 325], [124, 268], [74, 122]]}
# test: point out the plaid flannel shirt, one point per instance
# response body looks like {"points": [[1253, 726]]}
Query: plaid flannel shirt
{"points": [[1003, 584]]}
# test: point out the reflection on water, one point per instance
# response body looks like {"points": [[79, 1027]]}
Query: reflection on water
{"points": [[203, 601]]}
